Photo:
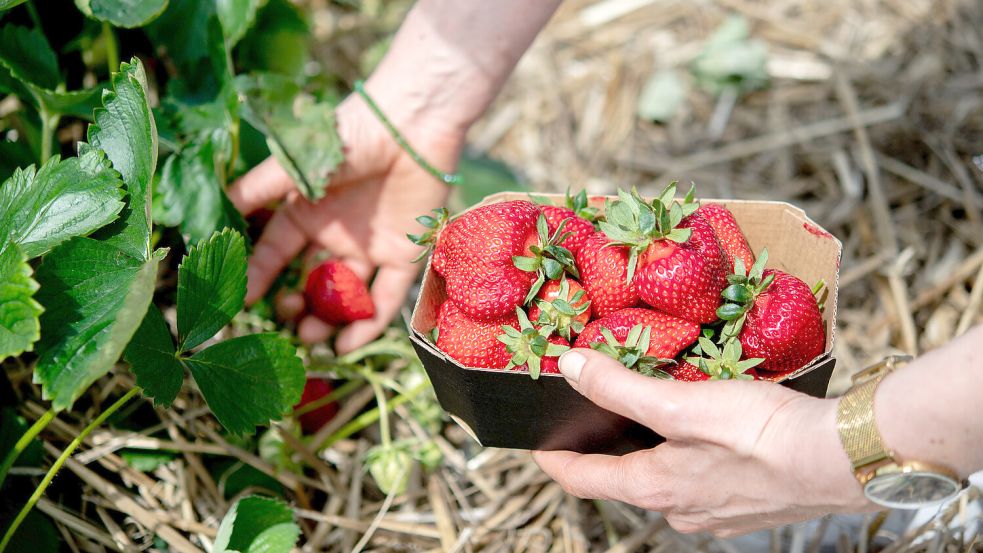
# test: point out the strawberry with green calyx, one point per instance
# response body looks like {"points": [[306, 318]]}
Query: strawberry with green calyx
{"points": [[729, 234], [531, 347], [775, 316], [564, 305], [821, 293], [469, 342], [604, 275], [674, 259], [547, 259], [685, 371], [428, 238], [670, 335], [632, 353], [724, 363], [577, 214]]}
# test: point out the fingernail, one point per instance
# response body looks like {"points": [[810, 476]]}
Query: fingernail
{"points": [[571, 363]]}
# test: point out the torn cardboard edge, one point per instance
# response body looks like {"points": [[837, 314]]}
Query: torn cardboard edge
{"points": [[509, 409]]}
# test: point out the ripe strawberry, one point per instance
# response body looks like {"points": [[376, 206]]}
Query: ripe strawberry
{"points": [[579, 229], [680, 266], [670, 335], [469, 342], [728, 233], [495, 257], [604, 275], [774, 315], [311, 420], [633, 352], [534, 350], [564, 305], [687, 372], [336, 295]]}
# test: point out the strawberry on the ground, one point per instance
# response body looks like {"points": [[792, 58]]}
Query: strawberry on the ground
{"points": [[469, 342], [670, 335], [729, 234], [494, 258], [336, 295], [774, 315], [535, 350], [603, 271], [312, 419], [634, 351], [674, 259], [564, 305]]}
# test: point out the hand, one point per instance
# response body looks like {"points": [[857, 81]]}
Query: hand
{"points": [[740, 455], [370, 205]]}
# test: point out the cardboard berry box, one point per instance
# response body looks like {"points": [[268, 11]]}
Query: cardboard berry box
{"points": [[511, 410]]}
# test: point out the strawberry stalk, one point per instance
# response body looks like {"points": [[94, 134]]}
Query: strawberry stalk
{"points": [[561, 312], [740, 295], [528, 344], [633, 352], [428, 238], [723, 363], [637, 224], [548, 260], [821, 293]]}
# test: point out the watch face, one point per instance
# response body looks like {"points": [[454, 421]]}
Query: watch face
{"points": [[911, 490]]}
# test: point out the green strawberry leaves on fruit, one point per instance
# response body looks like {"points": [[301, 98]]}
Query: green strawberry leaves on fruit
{"points": [[428, 238], [19, 311], [635, 223], [549, 260], [744, 288], [561, 312], [257, 525], [723, 363], [578, 203], [528, 344], [633, 352]]}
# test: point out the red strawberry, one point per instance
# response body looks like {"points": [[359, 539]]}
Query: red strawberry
{"points": [[604, 275], [728, 233], [687, 372], [670, 335], [564, 305], [632, 352], [680, 266], [469, 342], [336, 295], [493, 258], [311, 420], [775, 316], [716, 363], [533, 349]]}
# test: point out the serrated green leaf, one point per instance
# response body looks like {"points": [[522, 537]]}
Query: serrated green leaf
{"points": [[211, 287], [19, 311], [249, 380], [123, 13], [77, 103], [154, 360], [236, 16], [94, 298], [124, 128], [28, 55], [67, 198], [192, 189], [257, 525]]}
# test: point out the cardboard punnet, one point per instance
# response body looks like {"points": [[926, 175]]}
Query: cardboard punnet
{"points": [[511, 410]]}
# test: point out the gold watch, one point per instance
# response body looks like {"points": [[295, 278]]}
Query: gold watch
{"points": [[887, 480]]}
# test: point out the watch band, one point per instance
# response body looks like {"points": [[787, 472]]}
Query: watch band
{"points": [[857, 427]]}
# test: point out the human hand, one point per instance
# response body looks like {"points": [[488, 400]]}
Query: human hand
{"points": [[370, 205], [740, 455]]}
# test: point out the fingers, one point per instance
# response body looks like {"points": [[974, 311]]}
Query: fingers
{"points": [[265, 183], [312, 330], [388, 293], [289, 305], [280, 242], [631, 478]]}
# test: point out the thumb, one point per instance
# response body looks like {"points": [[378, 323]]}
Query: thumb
{"points": [[658, 404]]}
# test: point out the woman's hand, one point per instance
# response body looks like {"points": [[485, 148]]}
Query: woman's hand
{"points": [[370, 205], [740, 455]]}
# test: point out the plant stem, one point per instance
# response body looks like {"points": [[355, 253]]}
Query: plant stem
{"points": [[341, 392], [23, 442], [46, 481], [112, 48], [49, 123], [369, 417], [380, 398]]}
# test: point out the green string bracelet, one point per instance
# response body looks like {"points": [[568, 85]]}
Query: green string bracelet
{"points": [[446, 178]]}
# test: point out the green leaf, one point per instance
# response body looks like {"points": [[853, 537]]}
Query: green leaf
{"points": [[123, 13], [12, 427], [154, 360], [759, 265], [14, 155], [236, 16], [257, 525], [730, 311], [147, 460], [302, 135], [527, 264], [661, 96], [64, 199], [28, 55], [249, 380], [7, 4], [124, 128], [77, 103], [192, 189], [94, 298], [19, 312], [736, 293], [278, 42], [731, 60], [211, 287]]}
